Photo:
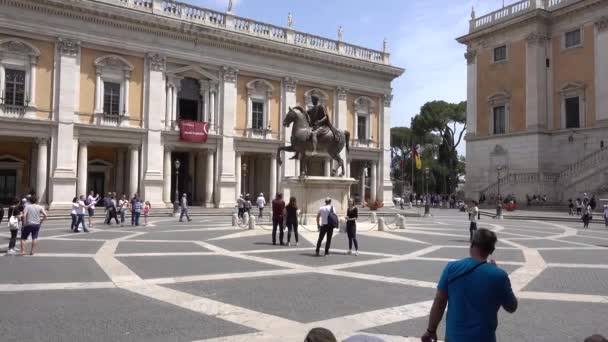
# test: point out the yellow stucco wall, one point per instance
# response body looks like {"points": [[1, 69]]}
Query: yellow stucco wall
{"points": [[574, 65], [509, 76], [87, 85], [241, 106], [44, 75]]}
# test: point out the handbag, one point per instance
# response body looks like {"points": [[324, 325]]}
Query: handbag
{"points": [[332, 219]]}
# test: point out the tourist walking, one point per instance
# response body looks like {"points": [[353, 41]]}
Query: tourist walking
{"points": [[137, 208], [247, 205], [83, 209], [14, 224], [123, 206], [586, 214], [352, 214], [606, 215], [112, 210], [261, 203], [134, 199], [278, 218], [147, 207], [570, 207], [473, 289], [33, 216], [184, 208], [91, 201], [74, 213], [325, 226], [240, 204], [473, 216], [579, 207], [291, 219]]}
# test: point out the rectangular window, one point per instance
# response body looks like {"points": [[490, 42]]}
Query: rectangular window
{"points": [[14, 84], [573, 38], [500, 53], [362, 127], [257, 115], [499, 120], [111, 98], [573, 112]]}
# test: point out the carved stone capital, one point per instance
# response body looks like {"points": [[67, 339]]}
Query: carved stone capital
{"points": [[134, 147], [156, 61], [169, 148], [471, 56], [42, 141], [602, 23], [387, 98], [290, 84], [537, 38], [68, 47], [230, 74], [342, 93]]}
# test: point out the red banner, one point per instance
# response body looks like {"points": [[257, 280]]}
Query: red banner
{"points": [[193, 131]]}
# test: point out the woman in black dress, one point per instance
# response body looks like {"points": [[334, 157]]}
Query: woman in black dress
{"points": [[351, 227], [291, 219]]}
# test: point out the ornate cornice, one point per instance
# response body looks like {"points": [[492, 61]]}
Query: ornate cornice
{"points": [[471, 56], [342, 93], [230, 74], [602, 23], [68, 47], [387, 98], [537, 38], [156, 61], [290, 84]]}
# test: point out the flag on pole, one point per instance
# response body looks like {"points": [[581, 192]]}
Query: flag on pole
{"points": [[416, 157]]}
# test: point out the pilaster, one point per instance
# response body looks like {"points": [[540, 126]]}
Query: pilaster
{"points": [[385, 158], [471, 57], [601, 70], [290, 168], [226, 190], [341, 119], [536, 81]]}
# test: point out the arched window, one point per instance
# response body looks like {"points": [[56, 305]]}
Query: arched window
{"points": [[18, 60], [259, 93], [362, 119], [112, 85]]}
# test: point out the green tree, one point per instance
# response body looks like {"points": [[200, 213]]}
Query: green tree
{"points": [[444, 119]]}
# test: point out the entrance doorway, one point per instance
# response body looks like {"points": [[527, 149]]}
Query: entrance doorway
{"points": [[184, 180], [8, 186], [96, 182], [188, 109]]}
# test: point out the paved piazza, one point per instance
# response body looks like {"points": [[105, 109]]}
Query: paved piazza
{"points": [[207, 281]]}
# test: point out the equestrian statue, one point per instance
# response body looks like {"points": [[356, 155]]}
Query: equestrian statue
{"points": [[312, 132]]}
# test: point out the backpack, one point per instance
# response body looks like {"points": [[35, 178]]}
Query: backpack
{"points": [[87, 201], [332, 219]]}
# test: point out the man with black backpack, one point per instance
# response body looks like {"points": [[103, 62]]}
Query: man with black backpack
{"points": [[327, 220]]}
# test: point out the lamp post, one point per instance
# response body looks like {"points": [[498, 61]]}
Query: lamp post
{"points": [[499, 201], [176, 201], [427, 209]]}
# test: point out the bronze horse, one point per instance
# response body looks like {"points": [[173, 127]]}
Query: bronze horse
{"points": [[331, 141]]}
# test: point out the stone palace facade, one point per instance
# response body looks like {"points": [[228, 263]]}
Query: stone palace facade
{"points": [[537, 104], [93, 93]]}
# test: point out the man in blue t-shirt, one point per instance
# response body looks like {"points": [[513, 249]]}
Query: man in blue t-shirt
{"points": [[474, 289]]}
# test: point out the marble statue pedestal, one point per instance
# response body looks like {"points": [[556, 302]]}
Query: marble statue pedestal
{"points": [[310, 193]]}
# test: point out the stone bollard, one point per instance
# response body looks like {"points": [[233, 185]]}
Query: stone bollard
{"points": [[373, 218], [245, 218], [380, 224], [342, 225], [235, 220], [252, 222], [401, 222]]}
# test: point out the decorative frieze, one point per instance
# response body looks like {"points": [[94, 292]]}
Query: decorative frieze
{"points": [[342, 93], [230, 74], [602, 24], [156, 61], [537, 38], [68, 47], [290, 84], [471, 56], [388, 98]]}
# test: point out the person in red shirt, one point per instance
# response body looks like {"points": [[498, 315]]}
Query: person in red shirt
{"points": [[278, 209]]}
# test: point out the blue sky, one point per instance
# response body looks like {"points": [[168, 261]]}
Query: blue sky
{"points": [[421, 36]]}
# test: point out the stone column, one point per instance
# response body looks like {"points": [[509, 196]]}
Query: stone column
{"points": [[385, 157], [290, 168], [191, 175], [32, 81], [120, 171], [41, 172], [83, 159], [199, 179], [601, 70], [362, 183], [134, 169], [168, 104], [341, 116], [327, 167], [373, 182], [237, 172], [167, 176], [227, 182], [209, 180], [536, 81], [212, 106], [471, 56], [63, 181], [152, 149], [273, 176]]}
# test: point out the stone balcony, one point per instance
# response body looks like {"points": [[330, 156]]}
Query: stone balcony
{"points": [[227, 21], [515, 10]]}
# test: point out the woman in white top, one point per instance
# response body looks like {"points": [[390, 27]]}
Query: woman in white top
{"points": [[123, 206], [473, 216], [74, 213], [83, 210]]}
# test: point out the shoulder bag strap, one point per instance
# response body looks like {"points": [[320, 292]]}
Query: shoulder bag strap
{"points": [[469, 271]]}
